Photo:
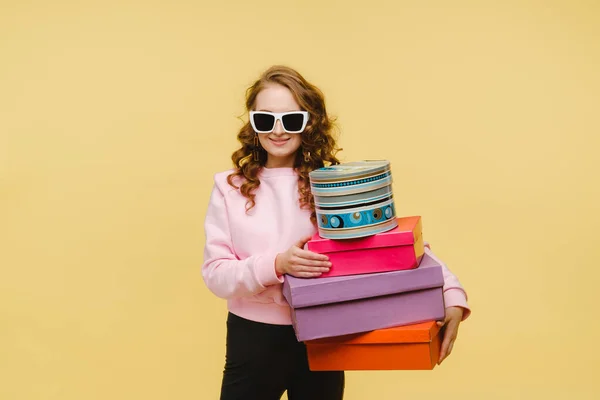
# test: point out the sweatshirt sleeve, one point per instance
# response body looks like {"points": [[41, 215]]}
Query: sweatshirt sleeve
{"points": [[454, 294], [224, 274]]}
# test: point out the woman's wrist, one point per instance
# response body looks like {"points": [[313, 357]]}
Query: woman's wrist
{"points": [[278, 268]]}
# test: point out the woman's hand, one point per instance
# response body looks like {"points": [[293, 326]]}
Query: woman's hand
{"points": [[451, 321], [301, 263]]}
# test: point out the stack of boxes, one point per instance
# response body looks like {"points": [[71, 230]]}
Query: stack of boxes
{"points": [[376, 308]]}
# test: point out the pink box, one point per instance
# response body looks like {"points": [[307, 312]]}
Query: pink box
{"points": [[398, 249]]}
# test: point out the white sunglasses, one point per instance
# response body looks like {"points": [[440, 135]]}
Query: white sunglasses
{"points": [[291, 121]]}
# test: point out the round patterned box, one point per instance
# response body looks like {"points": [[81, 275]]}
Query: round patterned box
{"points": [[353, 200]]}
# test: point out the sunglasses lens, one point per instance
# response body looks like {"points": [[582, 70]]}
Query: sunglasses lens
{"points": [[293, 122], [264, 122]]}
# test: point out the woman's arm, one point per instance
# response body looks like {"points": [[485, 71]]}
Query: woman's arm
{"points": [[454, 293], [224, 274]]}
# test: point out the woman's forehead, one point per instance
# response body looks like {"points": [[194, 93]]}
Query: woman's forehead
{"points": [[276, 98]]}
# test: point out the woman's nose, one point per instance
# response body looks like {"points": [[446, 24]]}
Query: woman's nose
{"points": [[278, 128]]}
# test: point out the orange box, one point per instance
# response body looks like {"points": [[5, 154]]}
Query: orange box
{"points": [[410, 347]]}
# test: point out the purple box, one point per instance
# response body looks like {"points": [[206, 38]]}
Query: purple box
{"points": [[340, 305]]}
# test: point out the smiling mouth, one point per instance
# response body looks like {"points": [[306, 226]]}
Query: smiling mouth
{"points": [[279, 141]]}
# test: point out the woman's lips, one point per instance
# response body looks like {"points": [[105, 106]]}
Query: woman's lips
{"points": [[279, 142]]}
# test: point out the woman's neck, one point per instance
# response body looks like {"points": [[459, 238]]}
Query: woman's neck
{"points": [[277, 162]]}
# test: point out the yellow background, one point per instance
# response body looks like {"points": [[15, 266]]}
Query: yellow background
{"points": [[114, 115]]}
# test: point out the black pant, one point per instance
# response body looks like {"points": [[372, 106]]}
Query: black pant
{"points": [[263, 361]]}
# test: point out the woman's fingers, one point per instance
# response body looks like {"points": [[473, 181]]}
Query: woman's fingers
{"points": [[309, 255], [304, 274], [449, 337], [307, 264], [310, 268], [443, 350], [299, 261], [302, 270], [446, 349], [450, 347]]}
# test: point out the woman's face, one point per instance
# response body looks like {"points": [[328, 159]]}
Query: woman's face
{"points": [[280, 146]]}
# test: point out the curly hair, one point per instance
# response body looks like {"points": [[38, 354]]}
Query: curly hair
{"points": [[318, 148]]}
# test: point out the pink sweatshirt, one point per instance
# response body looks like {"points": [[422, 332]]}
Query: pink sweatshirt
{"points": [[240, 249]]}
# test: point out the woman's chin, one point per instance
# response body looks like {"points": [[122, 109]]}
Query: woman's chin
{"points": [[280, 152]]}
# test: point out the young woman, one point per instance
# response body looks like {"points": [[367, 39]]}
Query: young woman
{"points": [[260, 215]]}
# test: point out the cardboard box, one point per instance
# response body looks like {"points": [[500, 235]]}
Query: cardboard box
{"points": [[335, 306], [412, 347], [397, 249]]}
